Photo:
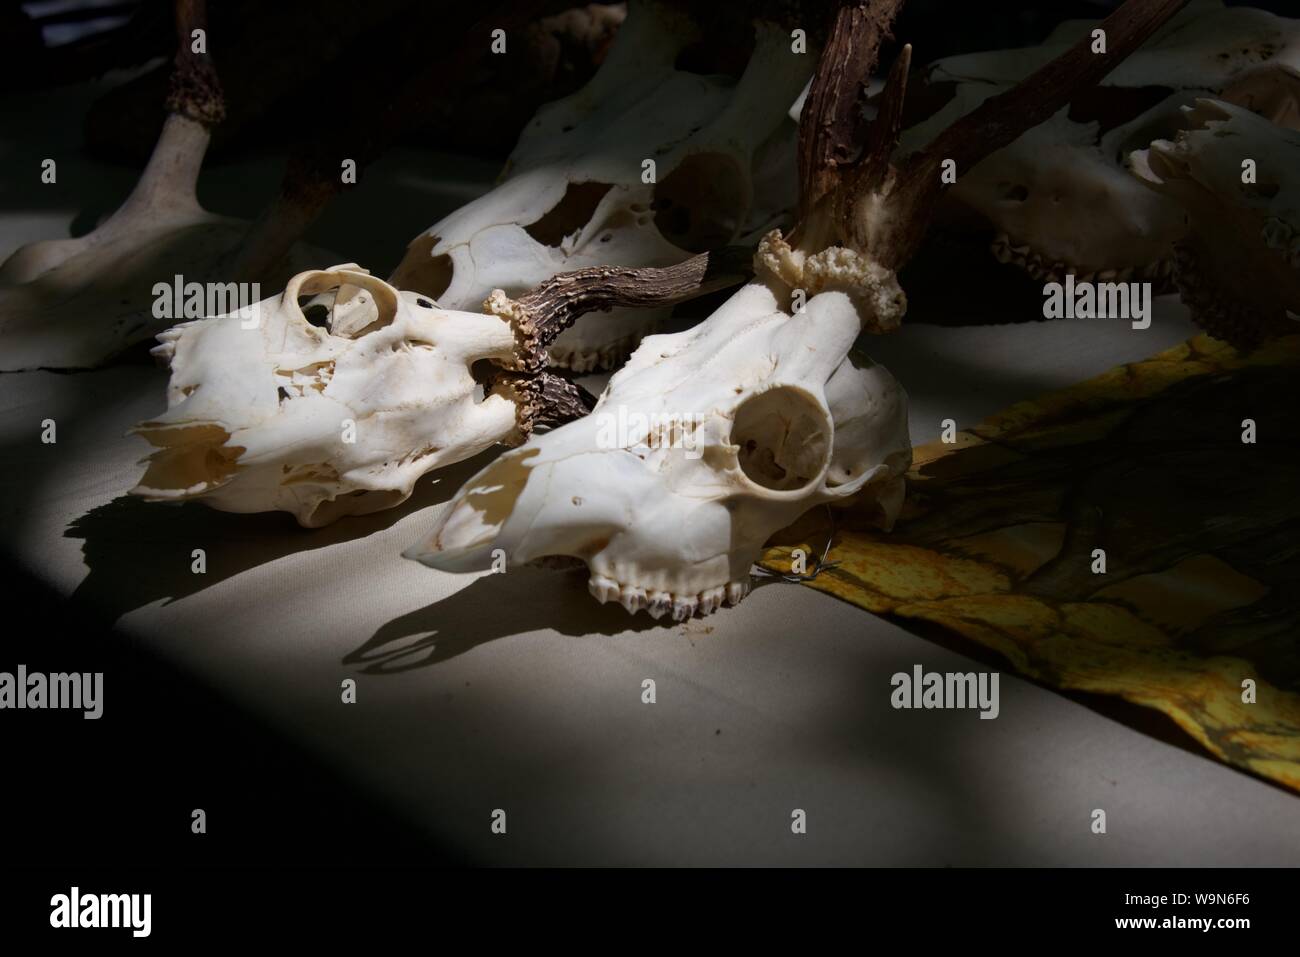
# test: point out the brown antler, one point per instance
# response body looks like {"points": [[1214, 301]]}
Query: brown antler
{"points": [[541, 314]]}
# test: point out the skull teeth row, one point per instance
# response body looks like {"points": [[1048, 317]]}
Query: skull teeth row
{"points": [[660, 603], [609, 356], [1024, 256]]}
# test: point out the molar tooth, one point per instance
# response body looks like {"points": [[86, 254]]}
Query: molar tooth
{"points": [[633, 599], [602, 588], [711, 600], [658, 602], [736, 591], [684, 607]]}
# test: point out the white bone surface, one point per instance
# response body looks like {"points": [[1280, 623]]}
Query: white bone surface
{"points": [[323, 421]]}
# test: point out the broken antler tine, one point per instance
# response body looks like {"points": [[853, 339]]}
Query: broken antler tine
{"points": [[1001, 119], [882, 134]]}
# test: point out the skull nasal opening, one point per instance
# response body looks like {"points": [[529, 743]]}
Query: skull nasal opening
{"points": [[700, 205], [784, 438]]}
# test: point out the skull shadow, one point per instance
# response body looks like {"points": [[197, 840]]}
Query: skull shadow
{"points": [[493, 607], [139, 552]]}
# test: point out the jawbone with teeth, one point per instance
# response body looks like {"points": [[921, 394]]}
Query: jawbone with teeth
{"points": [[706, 443]]}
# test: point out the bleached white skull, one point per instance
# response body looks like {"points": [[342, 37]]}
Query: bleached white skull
{"points": [[1058, 199], [76, 303], [267, 410], [1238, 177], [706, 443], [721, 154]]}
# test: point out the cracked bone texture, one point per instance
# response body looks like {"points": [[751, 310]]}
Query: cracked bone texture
{"points": [[706, 443], [1058, 199], [574, 197], [1238, 268], [257, 418], [77, 303]]}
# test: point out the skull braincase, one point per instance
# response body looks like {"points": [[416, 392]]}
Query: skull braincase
{"points": [[1058, 199], [268, 411], [580, 190], [701, 447]]}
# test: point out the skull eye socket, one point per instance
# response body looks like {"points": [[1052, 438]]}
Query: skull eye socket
{"points": [[354, 303], [316, 313], [784, 439]]}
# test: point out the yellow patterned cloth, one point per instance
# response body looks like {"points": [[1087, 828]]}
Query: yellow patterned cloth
{"points": [[1200, 532]]}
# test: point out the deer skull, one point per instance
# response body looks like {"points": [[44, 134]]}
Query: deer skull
{"points": [[1058, 200], [644, 166], [702, 446], [267, 410], [1235, 173]]}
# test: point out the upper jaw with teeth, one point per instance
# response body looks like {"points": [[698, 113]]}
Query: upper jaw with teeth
{"points": [[781, 419], [1006, 250]]}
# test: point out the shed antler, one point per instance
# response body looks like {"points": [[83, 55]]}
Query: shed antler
{"points": [[862, 215]]}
